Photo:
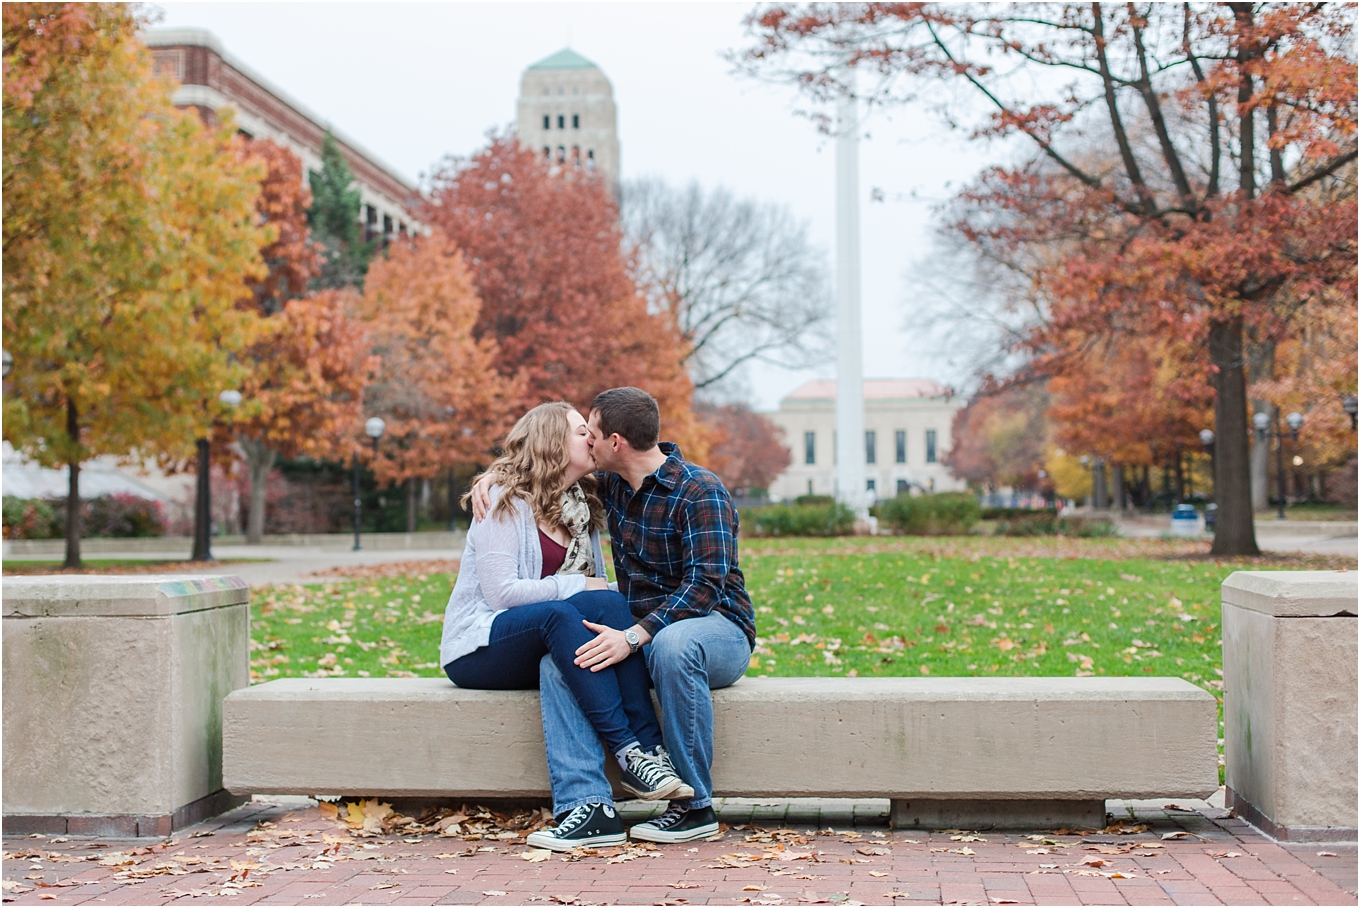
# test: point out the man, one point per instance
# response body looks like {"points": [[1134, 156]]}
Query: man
{"points": [[673, 531]]}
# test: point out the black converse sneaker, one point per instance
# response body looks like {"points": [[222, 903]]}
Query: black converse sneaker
{"points": [[586, 826], [678, 824], [649, 778]]}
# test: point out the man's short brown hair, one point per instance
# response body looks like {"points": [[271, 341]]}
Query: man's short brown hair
{"points": [[630, 412]]}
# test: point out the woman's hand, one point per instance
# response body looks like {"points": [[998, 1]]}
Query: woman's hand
{"points": [[596, 583], [608, 648], [481, 496]]}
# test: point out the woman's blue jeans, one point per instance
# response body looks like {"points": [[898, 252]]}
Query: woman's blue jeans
{"points": [[616, 700]]}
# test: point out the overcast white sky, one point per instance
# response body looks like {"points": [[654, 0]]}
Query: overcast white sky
{"points": [[413, 82]]}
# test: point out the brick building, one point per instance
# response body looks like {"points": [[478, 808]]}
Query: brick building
{"points": [[211, 79]]}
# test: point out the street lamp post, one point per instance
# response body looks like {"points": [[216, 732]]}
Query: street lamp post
{"points": [[1348, 404], [203, 500], [1263, 432], [373, 429]]}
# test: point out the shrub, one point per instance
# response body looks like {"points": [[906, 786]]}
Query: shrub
{"points": [[29, 518], [940, 514], [107, 515], [1048, 523], [831, 519], [814, 499], [1010, 513]]}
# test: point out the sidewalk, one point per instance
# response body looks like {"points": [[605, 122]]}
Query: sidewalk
{"points": [[282, 851]]}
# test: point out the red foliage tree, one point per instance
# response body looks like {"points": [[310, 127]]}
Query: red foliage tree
{"points": [[748, 449], [1000, 438], [1129, 217], [543, 244]]}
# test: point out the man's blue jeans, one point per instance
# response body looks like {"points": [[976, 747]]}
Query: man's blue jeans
{"points": [[686, 659]]}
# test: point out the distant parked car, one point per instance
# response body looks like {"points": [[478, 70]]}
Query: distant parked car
{"points": [[1185, 521]]}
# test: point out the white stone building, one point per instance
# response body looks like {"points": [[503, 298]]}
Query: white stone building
{"points": [[906, 434], [567, 114]]}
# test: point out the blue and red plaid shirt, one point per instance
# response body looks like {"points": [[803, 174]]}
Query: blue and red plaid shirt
{"points": [[675, 545]]}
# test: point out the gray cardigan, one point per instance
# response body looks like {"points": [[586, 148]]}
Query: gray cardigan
{"points": [[502, 561]]}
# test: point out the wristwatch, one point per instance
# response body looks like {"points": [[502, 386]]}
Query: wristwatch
{"points": [[634, 641]]}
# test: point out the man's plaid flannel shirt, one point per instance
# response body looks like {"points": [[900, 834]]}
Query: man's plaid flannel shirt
{"points": [[675, 546]]}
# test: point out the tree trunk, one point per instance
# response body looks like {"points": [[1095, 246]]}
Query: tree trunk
{"points": [[1099, 501], [1235, 532], [73, 493], [1117, 480], [1180, 476], [411, 505], [259, 461], [203, 504]]}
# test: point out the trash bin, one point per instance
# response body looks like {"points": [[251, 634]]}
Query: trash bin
{"points": [[1185, 521]]}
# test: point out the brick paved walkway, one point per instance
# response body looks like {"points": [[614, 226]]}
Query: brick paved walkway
{"points": [[284, 852]]}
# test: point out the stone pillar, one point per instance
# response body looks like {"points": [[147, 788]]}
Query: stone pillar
{"points": [[850, 466], [113, 690], [1289, 702]]}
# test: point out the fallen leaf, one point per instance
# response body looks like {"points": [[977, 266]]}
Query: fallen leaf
{"points": [[964, 850], [450, 871], [683, 886], [328, 810], [385, 886], [970, 837], [1094, 862], [754, 888], [1173, 807], [47, 895], [869, 849], [1180, 834], [1326, 854], [878, 873], [536, 855], [494, 892], [1227, 854], [1000, 901], [897, 895]]}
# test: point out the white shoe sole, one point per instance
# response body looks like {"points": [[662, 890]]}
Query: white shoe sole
{"points": [[676, 792], [648, 833], [553, 843]]}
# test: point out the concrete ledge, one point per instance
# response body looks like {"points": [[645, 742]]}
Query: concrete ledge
{"points": [[1293, 594], [116, 596], [937, 739]]}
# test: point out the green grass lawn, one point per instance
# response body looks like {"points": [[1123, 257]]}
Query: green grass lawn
{"points": [[851, 607]]}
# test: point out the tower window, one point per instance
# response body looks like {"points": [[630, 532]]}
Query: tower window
{"points": [[561, 121], [902, 486], [547, 122], [930, 446], [575, 121], [900, 443], [547, 153], [576, 155], [871, 446], [871, 485], [809, 447], [590, 159], [561, 154]]}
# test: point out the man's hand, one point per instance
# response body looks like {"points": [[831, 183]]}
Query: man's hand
{"points": [[597, 583], [481, 496], [608, 648]]}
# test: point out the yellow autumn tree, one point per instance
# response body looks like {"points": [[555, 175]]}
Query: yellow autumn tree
{"points": [[129, 237]]}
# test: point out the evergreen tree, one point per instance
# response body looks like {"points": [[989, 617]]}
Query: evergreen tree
{"points": [[334, 222]]}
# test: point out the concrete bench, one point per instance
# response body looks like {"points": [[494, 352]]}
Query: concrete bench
{"points": [[974, 752]]}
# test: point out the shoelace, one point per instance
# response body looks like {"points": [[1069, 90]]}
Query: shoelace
{"points": [[578, 816], [647, 768], [674, 814]]}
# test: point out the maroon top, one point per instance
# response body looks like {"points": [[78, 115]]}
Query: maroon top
{"points": [[553, 554]]}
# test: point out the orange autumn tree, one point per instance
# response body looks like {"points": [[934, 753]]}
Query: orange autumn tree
{"points": [[129, 237], [436, 388], [1132, 405], [304, 376], [748, 449], [543, 245]]}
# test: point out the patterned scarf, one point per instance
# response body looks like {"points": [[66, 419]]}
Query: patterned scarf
{"points": [[576, 518]]}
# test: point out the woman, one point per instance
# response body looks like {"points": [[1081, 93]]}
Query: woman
{"points": [[532, 583]]}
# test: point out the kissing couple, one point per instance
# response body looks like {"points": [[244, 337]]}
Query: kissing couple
{"points": [[533, 608]]}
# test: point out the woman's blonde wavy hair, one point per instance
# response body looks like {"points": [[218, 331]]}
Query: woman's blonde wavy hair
{"points": [[534, 464]]}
